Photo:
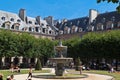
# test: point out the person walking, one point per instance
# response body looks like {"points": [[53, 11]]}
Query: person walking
{"points": [[30, 74]]}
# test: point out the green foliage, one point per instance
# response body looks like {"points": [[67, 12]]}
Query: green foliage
{"points": [[78, 63], [24, 44], [38, 65], [73, 46]]}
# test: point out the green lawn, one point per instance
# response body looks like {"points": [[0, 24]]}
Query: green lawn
{"points": [[7, 72], [116, 75]]}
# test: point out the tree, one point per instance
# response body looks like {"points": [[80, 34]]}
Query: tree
{"points": [[78, 63], [38, 65], [113, 1]]}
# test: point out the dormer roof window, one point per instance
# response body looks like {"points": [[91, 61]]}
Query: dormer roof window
{"points": [[12, 19], [30, 22], [113, 18], [103, 20], [42, 24], [3, 18], [36, 23], [18, 20]]}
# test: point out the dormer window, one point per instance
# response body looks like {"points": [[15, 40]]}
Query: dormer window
{"points": [[65, 24], [36, 23], [113, 18], [78, 22], [103, 20], [85, 21], [11, 19], [94, 21], [30, 22], [18, 20], [42, 24], [3, 18]]}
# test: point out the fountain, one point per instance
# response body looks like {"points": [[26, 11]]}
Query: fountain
{"points": [[60, 59]]}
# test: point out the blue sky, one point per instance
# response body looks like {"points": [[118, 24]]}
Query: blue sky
{"points": [[60, 9]]}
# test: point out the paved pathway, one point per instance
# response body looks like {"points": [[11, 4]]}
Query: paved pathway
{"points": [[90, 77]]}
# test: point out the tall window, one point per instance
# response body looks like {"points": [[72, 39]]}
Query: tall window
{"points": [[119, 24], [109, 25], [113, 19], [16, 27], [99, 26], [103, 20]]}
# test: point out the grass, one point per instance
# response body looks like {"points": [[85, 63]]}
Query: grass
{"points": [[8, 73], [116, 75]]}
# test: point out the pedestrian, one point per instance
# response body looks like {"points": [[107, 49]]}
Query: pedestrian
{"points": [[30, 73], [80, 68]]}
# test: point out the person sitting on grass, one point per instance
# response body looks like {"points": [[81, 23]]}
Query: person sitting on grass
{"points": [[1, 76], [11, 77]]}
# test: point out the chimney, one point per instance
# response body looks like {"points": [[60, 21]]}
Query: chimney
{"points": [[92, 15], [38, 19], [22, 14]]}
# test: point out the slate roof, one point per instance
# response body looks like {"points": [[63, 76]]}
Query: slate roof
{"points": [[79, 22], [108, 16]]}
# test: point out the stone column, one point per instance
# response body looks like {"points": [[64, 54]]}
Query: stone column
{"points": [[3, 60], [20, 59], [29, 59], [35, 60], [12, 59]]}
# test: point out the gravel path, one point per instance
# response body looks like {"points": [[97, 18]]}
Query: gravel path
{"points": [[90, 77]]}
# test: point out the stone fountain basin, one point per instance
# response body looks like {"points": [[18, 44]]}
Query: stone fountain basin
{"points": [[65, 76], [61, 60]]}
